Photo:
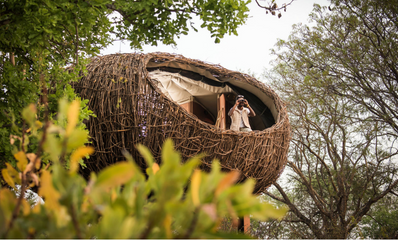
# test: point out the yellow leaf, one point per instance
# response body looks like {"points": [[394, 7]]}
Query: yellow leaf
{"points": [[155, 168], [35, 180], [79, 154], [36, 208], [8, 178], [47, 190], [22, 160], [7, 205], [13, 137], [32, 158], [85, 204], [227, 181], [167, 225], [38, 124], [31, 231], [73, 116], [25, 207], [30, 167], [113, 195], [13, 174], [31, 185], [195, 184]]}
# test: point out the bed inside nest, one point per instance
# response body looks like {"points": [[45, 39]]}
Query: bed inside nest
{"points": [[210, 97]]}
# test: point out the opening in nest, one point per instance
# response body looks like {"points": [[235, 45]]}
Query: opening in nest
{"points": [[209, 99]]}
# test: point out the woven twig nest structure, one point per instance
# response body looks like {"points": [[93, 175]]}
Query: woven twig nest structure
{"points": [[147, 98]]}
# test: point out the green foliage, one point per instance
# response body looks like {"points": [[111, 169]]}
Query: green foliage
{"points": [[43, 46], [147, 22], [13, 124], [173, 200], [350, 49], [381, 222], [39, 39], [24, 84], [336, 80], [55, 28], [63, 28]]}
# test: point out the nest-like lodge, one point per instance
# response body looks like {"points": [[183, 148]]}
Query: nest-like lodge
{"points": [[147, 98]]}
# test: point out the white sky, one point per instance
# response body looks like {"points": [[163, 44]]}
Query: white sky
{"points": [[247, 52]]}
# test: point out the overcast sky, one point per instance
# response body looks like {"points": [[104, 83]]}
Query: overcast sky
{"points": [[249, 51]]}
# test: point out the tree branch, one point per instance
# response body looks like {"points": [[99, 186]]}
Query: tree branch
{"points": [[357, 216], [5, 22]]}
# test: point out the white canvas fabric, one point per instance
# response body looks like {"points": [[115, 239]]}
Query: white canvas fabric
{"points": [[181, 89]]}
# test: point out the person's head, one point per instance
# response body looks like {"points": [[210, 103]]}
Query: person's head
{"points": [[241, 100]]}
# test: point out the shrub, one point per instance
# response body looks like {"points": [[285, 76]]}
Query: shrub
{"points": [[173, 200]]}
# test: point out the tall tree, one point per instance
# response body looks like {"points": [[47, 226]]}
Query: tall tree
{"points": [[339, 163], [39, 38], [354, 45], [340, 84]]}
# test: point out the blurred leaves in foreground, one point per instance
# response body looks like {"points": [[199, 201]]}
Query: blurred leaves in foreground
{"points": [[173, 200]]}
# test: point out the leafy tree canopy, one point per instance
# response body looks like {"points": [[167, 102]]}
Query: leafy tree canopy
{"points": [[351, 51], [39, 38], [63, 27], [339, 78]]}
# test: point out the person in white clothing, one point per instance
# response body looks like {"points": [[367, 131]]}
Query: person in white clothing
{"points": [[239, 114]]}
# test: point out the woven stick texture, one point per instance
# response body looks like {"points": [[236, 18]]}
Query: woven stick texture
{"points": [[130, 109]]}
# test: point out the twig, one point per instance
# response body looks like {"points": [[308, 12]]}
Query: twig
{"points": [[75, 223], [76, 44], [18, 205], [47, 123], [23, 135], [271, 8], [194, 221], [148, 230], [64, 145]]}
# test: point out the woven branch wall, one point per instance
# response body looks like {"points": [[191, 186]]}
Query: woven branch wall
{"points": [[130, 109]]}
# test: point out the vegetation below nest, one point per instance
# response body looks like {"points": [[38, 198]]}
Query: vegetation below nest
{"points": [[172, 200]]}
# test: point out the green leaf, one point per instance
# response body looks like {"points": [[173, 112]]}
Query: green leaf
{"points": [[146, 154], [169, 155], [77, 138], [29, 113], [114, 175]]}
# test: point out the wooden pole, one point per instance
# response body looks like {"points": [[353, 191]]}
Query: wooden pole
{"points": [[189, 105], [244, 224], [12, 58], [221, 112]]}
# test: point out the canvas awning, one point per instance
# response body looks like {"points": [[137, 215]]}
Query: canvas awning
{"points": [[182, 89], [206, 88]]}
